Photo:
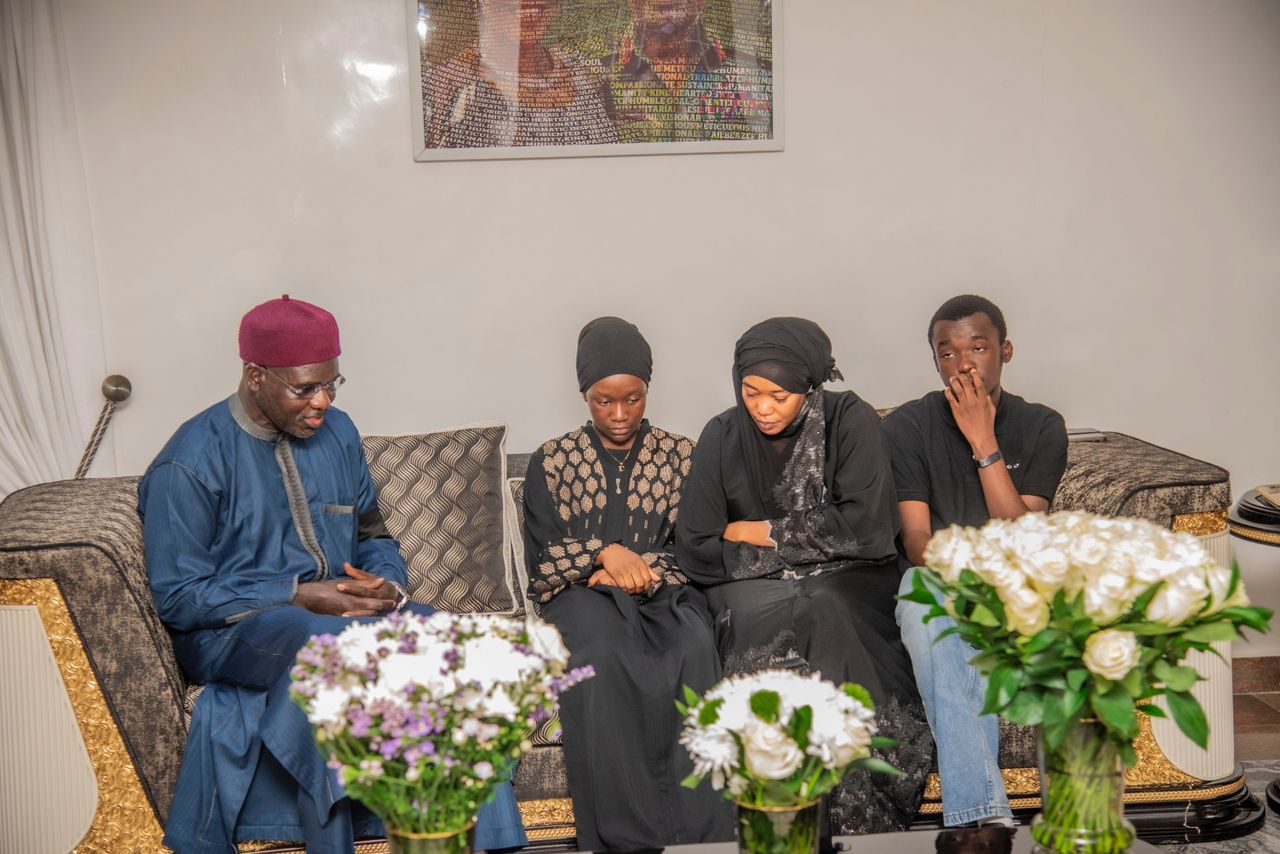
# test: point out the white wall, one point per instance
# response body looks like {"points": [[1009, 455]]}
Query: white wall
{"points": [[1105, 171]]}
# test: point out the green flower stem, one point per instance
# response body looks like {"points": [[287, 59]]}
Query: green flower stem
{"points": [[1083, 795], [457, 842], [778, 830], [813, 781]]}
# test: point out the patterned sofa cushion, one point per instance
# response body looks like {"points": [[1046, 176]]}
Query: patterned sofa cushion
{"points": [[443, 495]]}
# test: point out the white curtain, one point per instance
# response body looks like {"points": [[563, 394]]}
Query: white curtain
{"points": [[51, 354]]}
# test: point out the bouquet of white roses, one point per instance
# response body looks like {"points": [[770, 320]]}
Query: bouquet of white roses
{"points": [[778, 739], [1079, 616], [421, 715]]}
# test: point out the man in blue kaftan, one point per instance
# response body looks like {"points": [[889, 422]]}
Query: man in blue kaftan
{"points": [[261, 529]]}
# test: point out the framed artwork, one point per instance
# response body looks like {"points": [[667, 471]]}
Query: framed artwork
{"points": [[579, 78]]}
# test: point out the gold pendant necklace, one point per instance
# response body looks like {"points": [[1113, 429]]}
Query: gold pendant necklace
{"points": [[622, 465]]}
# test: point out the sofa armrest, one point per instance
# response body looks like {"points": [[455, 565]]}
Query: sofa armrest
{"points": [[1124, 476], [85, 535]]}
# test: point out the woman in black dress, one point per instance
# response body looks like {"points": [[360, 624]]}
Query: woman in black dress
{"points": [[789, 519], [600, 514]]}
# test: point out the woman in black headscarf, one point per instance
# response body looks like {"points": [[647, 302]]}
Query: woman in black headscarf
{"points": [[600, 514], [789, 519]]}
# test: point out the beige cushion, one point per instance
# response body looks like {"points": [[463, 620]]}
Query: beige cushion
{"points": [[515, 533], [442, 495]]}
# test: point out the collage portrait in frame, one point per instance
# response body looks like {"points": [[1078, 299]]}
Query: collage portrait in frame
{"points": [[578, 78]]}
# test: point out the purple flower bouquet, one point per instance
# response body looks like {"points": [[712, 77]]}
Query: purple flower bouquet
{"points": [[420, 716]]}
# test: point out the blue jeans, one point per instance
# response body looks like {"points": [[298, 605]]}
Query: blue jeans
{"points": [[952, 690]]}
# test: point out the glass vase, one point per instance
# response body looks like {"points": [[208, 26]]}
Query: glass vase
{"points": [[441, 842], [778, 830], [1082, 791]]}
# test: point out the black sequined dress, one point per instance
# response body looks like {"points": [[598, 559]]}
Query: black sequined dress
{"points": [[823, 600]]}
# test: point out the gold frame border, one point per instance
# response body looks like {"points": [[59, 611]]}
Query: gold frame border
{"points": [[548, 819], [1205, 794], [1201, 524], [1254, 534], [123, 820], [1154, 768]]}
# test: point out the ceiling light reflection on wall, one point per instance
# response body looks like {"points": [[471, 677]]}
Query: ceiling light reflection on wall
{"points": [[377, 76]]}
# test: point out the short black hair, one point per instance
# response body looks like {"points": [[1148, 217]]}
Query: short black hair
{"points": [[967, 305]]}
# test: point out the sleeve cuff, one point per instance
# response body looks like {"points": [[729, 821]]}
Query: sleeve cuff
{"points": [[287, 592], [271, 594], [777, 530], [595, 553], [1039, 491]]}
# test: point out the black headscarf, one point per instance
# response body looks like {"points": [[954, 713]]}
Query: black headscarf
{"points": [[793, 352], [611, 345], [796, 354]]}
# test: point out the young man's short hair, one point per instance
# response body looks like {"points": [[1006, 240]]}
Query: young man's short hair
{"points": [[965, 305]]}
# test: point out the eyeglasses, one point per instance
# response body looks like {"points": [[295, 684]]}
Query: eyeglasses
{"points": [[310, 390]]}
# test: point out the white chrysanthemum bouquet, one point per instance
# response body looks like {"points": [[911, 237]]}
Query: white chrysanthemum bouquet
{"points": [[1078, 616], [778, 739], [421, 715]]}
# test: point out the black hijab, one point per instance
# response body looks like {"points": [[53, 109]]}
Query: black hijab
{"points": [[611, 345], [795, 354]]}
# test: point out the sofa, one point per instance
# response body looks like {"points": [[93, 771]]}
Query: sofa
{"points": [[98, 731]]}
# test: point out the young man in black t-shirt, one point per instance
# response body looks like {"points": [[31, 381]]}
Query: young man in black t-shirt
{"points": [[963, 455]]}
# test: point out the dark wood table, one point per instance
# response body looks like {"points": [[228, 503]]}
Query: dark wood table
{"points": [[907, 842]]}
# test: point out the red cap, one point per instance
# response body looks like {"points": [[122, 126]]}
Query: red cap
{"points": [[286, 333]]}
